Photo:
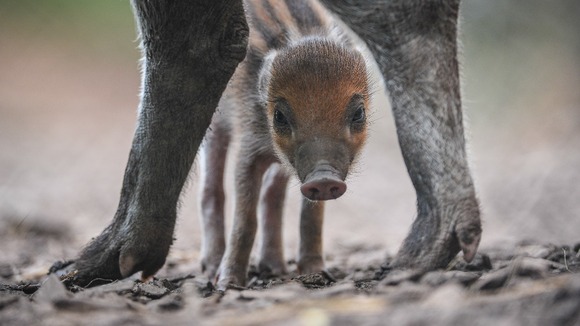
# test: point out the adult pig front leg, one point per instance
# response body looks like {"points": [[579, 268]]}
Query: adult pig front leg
{"points": [[414, 43], [190, 51]]}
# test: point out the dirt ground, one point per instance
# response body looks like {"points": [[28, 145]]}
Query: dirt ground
{"points": [[67, 113]]}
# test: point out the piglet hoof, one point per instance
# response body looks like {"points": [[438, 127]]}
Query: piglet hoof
{"points": [[271, 262], [210, 266], [229, 280], [310, 264], [224, 284], [271, 268], [437, 236]]}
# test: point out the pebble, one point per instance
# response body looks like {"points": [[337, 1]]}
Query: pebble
{"points": [[481, 262], [51, 290], [492, 281], [438, 278], [150, 290], [535, 250], [396, 277], [6, 271]]}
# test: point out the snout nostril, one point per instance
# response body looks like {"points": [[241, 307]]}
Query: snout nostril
{"points": [[337, 190], [323, 189], [312, 192]]}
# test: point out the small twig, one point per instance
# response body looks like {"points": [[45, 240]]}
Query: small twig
{"points": [[106, 280], [566, 261], [20, 223], [453, 263]]}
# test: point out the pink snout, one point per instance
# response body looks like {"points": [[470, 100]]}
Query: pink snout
{"points": [[323, 186]]}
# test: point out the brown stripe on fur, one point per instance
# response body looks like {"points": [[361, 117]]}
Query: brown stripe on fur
{"points": [[308, 15], [262, 22], [275, 22], [284, 16]]}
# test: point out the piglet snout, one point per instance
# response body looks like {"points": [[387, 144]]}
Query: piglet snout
{"points": [[323, 185]]}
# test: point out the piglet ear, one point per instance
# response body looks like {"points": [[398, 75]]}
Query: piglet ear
{"points": [[265, 76]]}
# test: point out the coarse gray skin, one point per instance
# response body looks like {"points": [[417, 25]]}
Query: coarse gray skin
{"points": [[191, 49], [415, 46]]}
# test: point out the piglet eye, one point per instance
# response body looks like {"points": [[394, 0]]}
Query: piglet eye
{"points": [[359, 115], [279, 119]]}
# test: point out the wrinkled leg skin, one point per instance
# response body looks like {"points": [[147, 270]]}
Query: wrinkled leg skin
{"points": [[190, 51], [415, 45]]}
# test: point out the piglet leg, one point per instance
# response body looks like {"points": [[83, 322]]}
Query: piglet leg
{"points": [[212, 195], [250, 168], [310, 258], [271, 208]]}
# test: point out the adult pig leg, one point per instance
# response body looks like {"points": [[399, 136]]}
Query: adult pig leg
{"points": [[414, 43], [190, 51]]}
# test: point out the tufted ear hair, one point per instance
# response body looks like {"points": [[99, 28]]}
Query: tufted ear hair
{"points": [[265, 76]]}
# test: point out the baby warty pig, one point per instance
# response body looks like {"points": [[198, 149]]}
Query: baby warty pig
{"points": [[297, 105]]}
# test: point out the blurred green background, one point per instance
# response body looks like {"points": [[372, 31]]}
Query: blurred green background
{"points": [[520, 57], [101, 28], [68, 95]]}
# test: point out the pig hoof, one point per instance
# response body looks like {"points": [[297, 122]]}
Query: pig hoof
{"points": [[269, 268], [210, 266], [427, 247], [310, 265], [226, 282], [117, 254]]}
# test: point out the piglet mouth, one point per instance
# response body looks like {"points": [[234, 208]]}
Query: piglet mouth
{"points": [[324, 183]]}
